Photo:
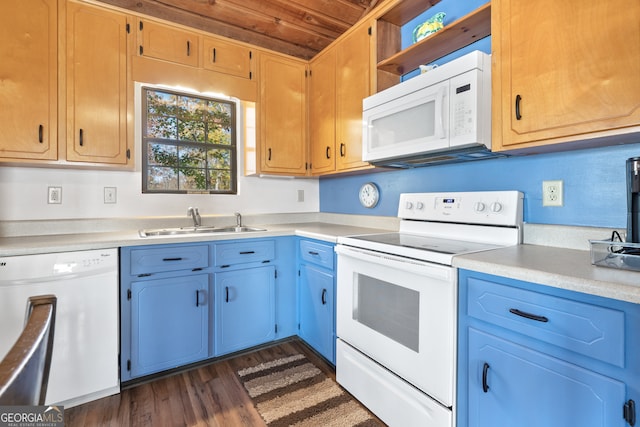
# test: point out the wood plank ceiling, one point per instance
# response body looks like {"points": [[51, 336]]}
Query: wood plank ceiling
{"points": [[299, 28]]}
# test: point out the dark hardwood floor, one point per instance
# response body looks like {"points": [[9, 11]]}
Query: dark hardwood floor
{"points": [[209, 395]]}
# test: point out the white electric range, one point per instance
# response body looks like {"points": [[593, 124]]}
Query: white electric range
{"points": [[397, 301]]}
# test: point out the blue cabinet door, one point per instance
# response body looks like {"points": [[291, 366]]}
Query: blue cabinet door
{"points": [[244, 308], [169, 323], [513, 385], [316, 301]]}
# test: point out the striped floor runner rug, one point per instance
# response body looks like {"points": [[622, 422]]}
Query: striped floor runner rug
{"points": [[292, 391]]}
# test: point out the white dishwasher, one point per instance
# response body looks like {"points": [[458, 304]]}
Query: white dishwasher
{"points": [[84, 364]]}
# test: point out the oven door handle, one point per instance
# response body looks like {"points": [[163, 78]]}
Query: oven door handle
{"points": [[407, 264]]}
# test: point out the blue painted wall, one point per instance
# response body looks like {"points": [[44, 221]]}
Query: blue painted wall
{"points": [[594, 179], [594, 185]]}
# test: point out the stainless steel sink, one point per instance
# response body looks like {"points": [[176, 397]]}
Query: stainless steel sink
{"points": [[242, 229], [195, 230]]}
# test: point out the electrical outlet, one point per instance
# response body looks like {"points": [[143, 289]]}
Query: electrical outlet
{"points": [[110, 194], [552, 194], [54, 195], [301, 195]]}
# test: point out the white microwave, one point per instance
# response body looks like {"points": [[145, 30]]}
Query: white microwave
{"points": [[443, 115]]}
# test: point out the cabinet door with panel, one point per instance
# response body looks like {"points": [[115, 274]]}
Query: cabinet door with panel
{"points": [[168, 43], [169, 323], [340, 80], [322, 112], [228, 58], [514, 385], [97, 98], [352, 86], [316, 296], [244, 308], [316, 302], [29, 86], [561, 72], [282, 112]]}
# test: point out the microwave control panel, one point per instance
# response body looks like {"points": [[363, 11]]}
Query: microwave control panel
{"points": [[470, 101]]}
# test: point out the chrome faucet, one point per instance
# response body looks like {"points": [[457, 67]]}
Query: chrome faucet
{"points": [[238, 219], [195, 215]]}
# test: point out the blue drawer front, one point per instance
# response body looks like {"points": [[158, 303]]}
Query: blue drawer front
{"points": [[244, 252], [317, 253], [587, 329], [169, 258]]}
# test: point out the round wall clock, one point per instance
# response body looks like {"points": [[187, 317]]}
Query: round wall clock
{"points": [[369, 195]]}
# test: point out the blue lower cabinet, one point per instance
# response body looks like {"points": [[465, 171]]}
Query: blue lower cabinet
{"points": [[244, 308], [534, 355], [513, 385], [316, 296], [316, 318], [169, 323]]}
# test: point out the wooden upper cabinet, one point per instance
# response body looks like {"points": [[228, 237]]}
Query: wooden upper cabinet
{"points": [[340, 80], [563, 70], [282, 115], [228, 58], [322, 112], [96, 85], [28, 81], [168, 43], [352, 86]]}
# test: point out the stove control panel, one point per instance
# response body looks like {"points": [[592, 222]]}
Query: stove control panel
{"points": [[476, 207]]}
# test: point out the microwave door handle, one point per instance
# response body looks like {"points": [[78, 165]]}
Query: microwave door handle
{"points": [[441, 132]]}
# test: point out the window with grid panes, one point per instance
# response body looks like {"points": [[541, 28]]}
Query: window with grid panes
{"points": [[188, 143]]}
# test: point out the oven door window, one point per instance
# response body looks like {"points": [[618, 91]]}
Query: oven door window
{"points": [[391, 310]]}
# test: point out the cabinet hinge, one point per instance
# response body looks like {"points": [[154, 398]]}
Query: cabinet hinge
{"points": [[250, 55], [275, 274], [128, 153], [250, 75], [128, 364], [298, 273], [629, 412], [140, 25], [128, 28], [276, 328], [369, 31], [129, 297], [141, 50], [298, 325]]}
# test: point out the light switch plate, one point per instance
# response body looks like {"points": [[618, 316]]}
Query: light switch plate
{"points": [[110, 195]]}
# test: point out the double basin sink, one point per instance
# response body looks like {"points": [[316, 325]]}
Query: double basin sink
{"points": [[196, 230]]}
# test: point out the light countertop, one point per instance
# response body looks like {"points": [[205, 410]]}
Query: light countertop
{"points": [[569, 269], [564, 268], [27, 245]]}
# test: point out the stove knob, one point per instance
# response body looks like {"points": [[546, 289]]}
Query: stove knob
{"points": [[496, 207], [409, 205], [420, 206], [480, 207]]}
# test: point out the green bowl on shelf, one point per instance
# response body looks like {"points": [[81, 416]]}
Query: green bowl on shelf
{"points": [[428, 27]]}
